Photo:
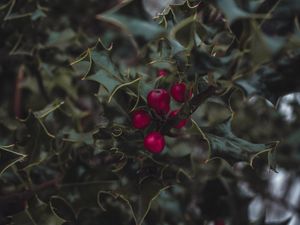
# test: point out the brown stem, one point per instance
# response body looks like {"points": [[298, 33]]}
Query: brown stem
{"points": [[18, 92], [197, 100], [14, 202], [38, 76], [188, 109]]}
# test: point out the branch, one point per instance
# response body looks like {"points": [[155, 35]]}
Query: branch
{"points": [[196, 101], [36, 73], [18, 92], [16, 202], [188, 109]]}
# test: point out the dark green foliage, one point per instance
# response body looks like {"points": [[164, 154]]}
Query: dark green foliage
{"points": [[71, 74]]}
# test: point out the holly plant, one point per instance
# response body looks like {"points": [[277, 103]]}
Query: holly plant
{"points": [[110, 116]]}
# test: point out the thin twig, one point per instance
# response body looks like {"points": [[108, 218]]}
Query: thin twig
{"points": [[18, 92]]}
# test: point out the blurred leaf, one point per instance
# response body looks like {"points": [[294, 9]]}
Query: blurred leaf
{"points": [[38, 144], [138, 26], [146, 192], [61, 39], [176, 13], [263, 48], [8, 158], [231, 10], [202, 63], [270, 82], [39, 213], [283, 222], [73, 136], [184, 32], [62, 209], [37, 14], [48, 109]]}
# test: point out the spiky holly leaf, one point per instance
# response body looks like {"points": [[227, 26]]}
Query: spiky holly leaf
{"points": [[37, 212], [9, 157], [38, 144], [231, 10], [138, 194], [225, 144], [62, 209], [129, 17], [176, 13]]}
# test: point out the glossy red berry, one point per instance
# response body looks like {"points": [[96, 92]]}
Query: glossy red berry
{"points": [[154, 142], [159, 100], [181, 123], [179, 92], [162, 73], [140, 119]]}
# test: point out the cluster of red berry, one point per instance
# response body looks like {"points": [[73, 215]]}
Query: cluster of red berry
{"points": [[158, 101]]}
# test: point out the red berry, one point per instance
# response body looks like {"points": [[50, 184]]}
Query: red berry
{"points": [[219, 222], [181, 123], [159, 100], [163, 109], [162, 73], [140, 119], [154, 142], [178, 92]]}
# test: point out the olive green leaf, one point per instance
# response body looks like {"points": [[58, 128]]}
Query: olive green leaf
{"points": [[145, 193], [37, 212], [231, 10], [62, 209], [8, 157], [272, 83], [225, 144], [137, 26]]}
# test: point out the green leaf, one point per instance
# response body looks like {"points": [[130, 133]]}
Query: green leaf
{"points": [[185, 31], [88, 216], [61, 39], [37, 213], [272, 83], [202, 63], [124, 85], [176, 13], [38, 145], [231, 10], [107, 74], [73, 136], [37, 14], [8, 158], [62, 209], [103, 78], [48, 109], [146, 192], [224, 144], [132, 25], [146, 29], [263, 48]]}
